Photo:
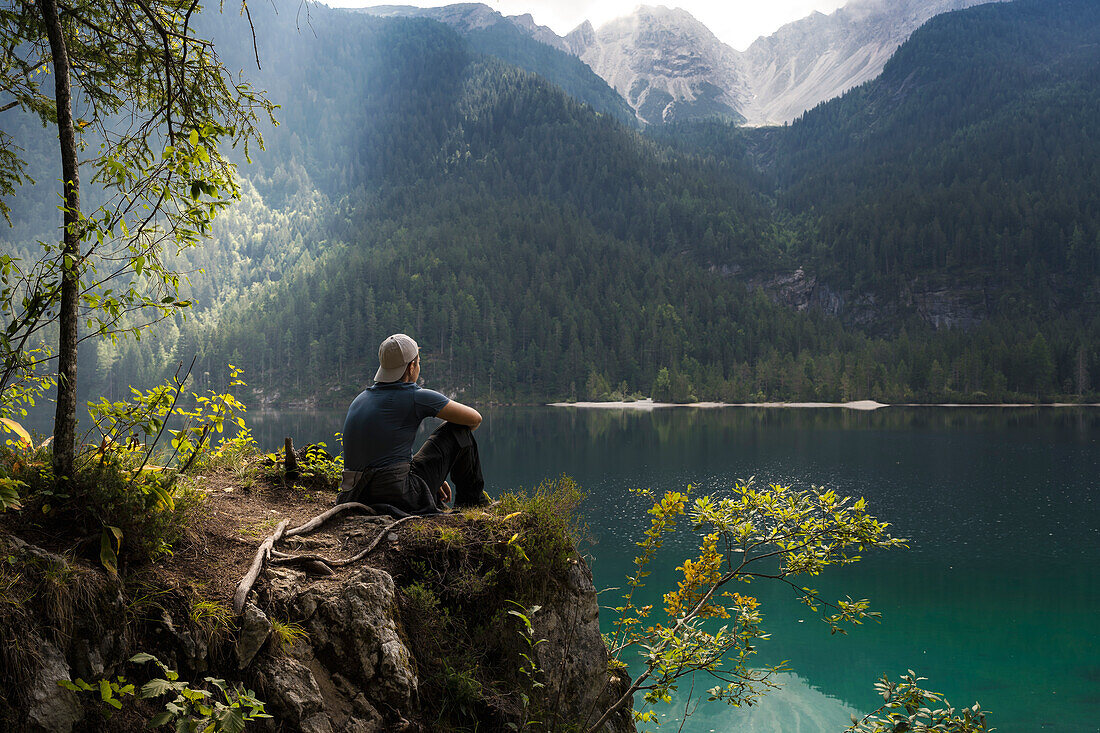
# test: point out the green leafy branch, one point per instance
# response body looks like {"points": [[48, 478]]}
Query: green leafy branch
{"points": [[908, 707], [747, 534]]}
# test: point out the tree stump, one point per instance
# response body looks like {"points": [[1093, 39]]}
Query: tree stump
{"points": [[291, 462]]}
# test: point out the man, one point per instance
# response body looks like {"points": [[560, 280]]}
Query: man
{"points": [[379, 468]]}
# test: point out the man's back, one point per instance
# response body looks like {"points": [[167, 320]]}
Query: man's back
{"points": [[382, 422]]}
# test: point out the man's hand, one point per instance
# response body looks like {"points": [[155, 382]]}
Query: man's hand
{"points": [[460, 414], [445, 492]]}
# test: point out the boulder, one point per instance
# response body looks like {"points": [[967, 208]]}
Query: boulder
{"points": [[53, 709]]}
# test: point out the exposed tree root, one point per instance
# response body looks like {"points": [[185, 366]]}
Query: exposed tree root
{"points": [[311, 563]]}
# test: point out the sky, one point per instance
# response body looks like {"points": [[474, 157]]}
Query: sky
{"points": [[737, 22]]}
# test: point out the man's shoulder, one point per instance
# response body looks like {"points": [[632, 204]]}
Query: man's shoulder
{"points": [[430, 398]]}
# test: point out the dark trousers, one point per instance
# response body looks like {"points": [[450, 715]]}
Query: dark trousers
{"points": [[451, 449]]}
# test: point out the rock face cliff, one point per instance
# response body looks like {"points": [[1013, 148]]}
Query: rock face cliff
{"points": [[381, 646], [942, 302], [417, 637], [667, 65]]}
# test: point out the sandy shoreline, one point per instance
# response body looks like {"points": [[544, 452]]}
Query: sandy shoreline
{"points": [[648, 404]]}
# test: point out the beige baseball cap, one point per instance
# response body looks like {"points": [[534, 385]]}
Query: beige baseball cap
{"points": [[394, 355]]}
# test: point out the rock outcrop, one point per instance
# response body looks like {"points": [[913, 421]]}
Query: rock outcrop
{"points": [[60, 621], [941, 302], [822, 56], [353, 667], [342, 651]]}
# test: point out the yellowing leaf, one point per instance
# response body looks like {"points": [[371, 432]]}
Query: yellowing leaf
{"points": [[18, 429]]}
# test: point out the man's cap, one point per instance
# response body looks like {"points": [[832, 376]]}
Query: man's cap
{"points": [[394, 355]]}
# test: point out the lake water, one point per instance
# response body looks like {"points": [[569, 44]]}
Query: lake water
{"points": [[997, 599]]}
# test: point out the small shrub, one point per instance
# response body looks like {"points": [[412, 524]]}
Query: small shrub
{"points": [[548, 524], [225, 708], [422, 600], [461, 690], [137, 515], [317, 468]]}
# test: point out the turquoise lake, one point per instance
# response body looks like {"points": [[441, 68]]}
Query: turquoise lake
{"points": [[996, 600]]}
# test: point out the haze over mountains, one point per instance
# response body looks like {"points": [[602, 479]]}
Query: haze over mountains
{"points": [[933, 234], [669, 67]]}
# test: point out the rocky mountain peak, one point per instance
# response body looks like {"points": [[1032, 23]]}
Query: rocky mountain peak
{"points": [[580, 38], [668, 66]]}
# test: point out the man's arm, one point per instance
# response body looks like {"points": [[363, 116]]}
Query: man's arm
{"points": [[460, 414]]}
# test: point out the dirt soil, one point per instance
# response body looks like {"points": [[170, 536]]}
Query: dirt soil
{"points": [[236, 516]]}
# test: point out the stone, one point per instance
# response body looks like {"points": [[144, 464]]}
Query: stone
{"points": [[574, 657], [53, 709], [352, 662], [255, 628], [292, 693]]}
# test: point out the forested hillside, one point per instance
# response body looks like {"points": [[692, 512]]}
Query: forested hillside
{"points": [[976, 153], [539, 250]]}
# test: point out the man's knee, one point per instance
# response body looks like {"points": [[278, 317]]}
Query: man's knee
{"points": [[461, 434]]}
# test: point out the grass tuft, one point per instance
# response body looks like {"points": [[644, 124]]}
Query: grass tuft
{"points": [[286, 634]]}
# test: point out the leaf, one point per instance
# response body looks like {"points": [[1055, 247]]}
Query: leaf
{"points": [[164, 498], [107, 554], [142, 658], [155, 688], [18, 429], [232, 721], [159, 719]]}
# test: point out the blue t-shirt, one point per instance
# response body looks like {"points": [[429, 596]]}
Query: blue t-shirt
{"points": [[382, 421]]}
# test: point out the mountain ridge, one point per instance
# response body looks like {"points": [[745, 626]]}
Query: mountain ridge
{"points": [[668, 66]]}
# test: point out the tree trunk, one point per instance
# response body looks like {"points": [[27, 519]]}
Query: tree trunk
{"points": [[64, 428]]}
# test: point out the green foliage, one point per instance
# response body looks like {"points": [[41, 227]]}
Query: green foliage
{"points": [[548, 525], [133, 514], [136, 427], [909, 707], [317, 468], [224, 708], [423, 602], [211, 618], [775, 533], [9, 493], [155, 111], [529, 668], [23, 379], [316, 461], [507, 558], [110, 692], [117, 493], [461, 691]]}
